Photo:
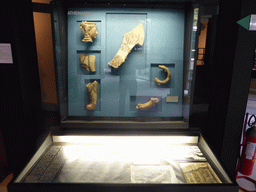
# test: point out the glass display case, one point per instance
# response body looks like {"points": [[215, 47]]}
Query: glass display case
{"points": [[178, 161], [126, 64], [125, 77]]}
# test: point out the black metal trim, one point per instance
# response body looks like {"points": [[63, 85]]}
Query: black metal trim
{"points": [[43, 8], [134, 119], [74, 187]]}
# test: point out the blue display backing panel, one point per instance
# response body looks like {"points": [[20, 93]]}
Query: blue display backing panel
{"points": [[120, 90]]}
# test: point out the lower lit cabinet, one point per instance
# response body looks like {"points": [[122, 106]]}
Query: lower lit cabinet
{"points": [[123, 162]]}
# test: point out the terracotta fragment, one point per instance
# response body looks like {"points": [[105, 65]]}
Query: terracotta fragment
{"points": [[167, 77], [146, 106], [88, 62], [135, 36], [90, 31], [92, 91]]}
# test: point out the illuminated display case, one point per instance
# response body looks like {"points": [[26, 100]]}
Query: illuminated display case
{"points": [[145, 39], [121, 128]]}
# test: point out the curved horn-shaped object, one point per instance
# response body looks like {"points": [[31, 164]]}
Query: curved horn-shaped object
{"points": [[146, 106], [167, 78]]}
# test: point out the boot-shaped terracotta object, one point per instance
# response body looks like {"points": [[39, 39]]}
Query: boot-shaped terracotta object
{"points": [[88, 62], [146, 106], [135, 36], [92, 91]]}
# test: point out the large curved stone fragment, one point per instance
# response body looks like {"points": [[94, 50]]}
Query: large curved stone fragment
{"points": [[134, 37]]}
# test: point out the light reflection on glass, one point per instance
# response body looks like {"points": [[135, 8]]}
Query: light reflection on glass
{"points": [[126, 153]]}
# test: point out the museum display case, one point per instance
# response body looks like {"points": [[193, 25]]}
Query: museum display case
{"points": [[178, 161], [125, 77], [141, 58]]}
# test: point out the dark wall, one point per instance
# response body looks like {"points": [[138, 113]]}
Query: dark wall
{"points": [[20, 97], [228, 68], [239, 89]]}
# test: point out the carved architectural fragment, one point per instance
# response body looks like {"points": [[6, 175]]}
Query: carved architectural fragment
{"points": [[88, 62], [92, 91], [146, 106], [135, 36], [90, 31]]}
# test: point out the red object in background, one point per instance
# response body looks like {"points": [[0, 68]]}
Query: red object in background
{"points": [[249, 152], [246, 161]]}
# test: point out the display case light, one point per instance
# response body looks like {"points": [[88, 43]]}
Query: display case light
{"points": [[136, 155], [126, 140], [138, 150]]}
